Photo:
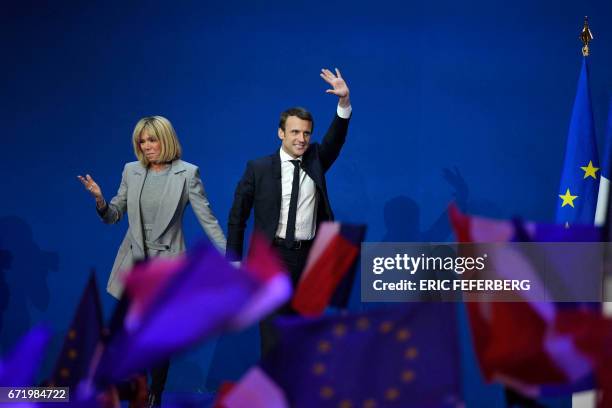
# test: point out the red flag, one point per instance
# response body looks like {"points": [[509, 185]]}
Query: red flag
{"points": [[592, 334], [254, 390], [517, 343], [334, 252], [225, 388]]}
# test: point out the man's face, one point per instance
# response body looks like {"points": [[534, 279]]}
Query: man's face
{"points": [[296, 136]]}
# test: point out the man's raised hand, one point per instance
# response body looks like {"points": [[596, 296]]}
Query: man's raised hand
{"points": [[339, 86]]}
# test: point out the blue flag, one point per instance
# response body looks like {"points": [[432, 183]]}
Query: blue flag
{"points": [[577, 198], [405, 356], [81, 340]]}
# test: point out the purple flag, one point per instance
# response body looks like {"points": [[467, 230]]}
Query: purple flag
{"points": [[19, 368], [205, 297]]}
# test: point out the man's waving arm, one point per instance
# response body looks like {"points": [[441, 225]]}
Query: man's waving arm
{"points": [[336, 134]]}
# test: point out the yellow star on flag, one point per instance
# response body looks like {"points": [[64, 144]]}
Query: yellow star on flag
{"points": [[590, 170], [567, 198]]}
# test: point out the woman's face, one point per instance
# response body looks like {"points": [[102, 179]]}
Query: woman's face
{"points": [[150, 147]]}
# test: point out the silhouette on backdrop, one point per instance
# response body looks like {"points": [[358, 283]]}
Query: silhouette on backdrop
{"points": [[26, 278], [402, 215]]}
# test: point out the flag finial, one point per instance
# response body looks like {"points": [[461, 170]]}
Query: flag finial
{"points": [[586, 36]]}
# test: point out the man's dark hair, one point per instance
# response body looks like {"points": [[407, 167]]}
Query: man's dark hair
{"points": [[295, 111]]}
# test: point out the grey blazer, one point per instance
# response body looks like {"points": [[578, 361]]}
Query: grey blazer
{"points": [[184, 186]]}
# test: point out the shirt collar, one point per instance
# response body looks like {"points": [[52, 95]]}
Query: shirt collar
{"points": [[284, 156]]}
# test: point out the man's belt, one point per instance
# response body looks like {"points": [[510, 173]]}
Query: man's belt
{"points": [[296, 244]]}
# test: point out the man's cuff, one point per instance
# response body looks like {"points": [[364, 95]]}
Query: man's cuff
{"points": [[344, 113]]}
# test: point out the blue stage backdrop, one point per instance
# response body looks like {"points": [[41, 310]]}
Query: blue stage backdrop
{"points": [[483, 89]]}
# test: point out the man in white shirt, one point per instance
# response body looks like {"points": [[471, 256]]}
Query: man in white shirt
{"points": [[287, 189]]}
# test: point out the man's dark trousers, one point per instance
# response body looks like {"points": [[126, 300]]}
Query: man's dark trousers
{"points": [[295, 261]]}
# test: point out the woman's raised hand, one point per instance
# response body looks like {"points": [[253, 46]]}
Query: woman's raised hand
{"points": [[91, 186]]}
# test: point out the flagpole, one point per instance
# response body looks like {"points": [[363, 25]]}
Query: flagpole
{"points": [[586, 36], [589, 398]]}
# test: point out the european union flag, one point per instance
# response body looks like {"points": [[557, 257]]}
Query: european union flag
{"points": [[80, 343], [577, 198], [397, 357]]}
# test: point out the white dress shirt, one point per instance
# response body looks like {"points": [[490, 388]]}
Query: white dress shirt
{"points": [[305, 219], [306, 216]]}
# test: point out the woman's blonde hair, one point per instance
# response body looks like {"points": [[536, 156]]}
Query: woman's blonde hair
{"points": [[160, 128]]}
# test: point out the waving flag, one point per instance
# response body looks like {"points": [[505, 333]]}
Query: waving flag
{"points": [[202, 296], [19, 368], [330, 268], [540, 355], [403, 356], [255, 390], [84, 335], [577, 198]]}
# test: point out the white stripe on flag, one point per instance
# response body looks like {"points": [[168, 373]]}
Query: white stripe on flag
{"points": [[255, 390], [602, 201]]}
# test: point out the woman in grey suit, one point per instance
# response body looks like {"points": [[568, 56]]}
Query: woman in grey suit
{"points": [[154, 192]]}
